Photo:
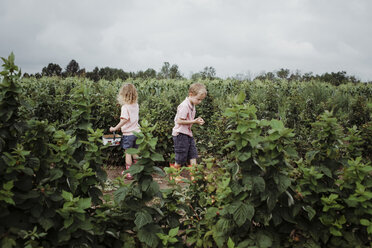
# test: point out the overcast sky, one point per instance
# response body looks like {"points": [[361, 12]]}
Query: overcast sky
{"points": [[235, 36]]}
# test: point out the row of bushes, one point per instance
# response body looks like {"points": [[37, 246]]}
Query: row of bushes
{"points": [[297, 104], [259, 191]]}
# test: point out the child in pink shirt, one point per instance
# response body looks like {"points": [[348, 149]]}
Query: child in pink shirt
{"points": [[128, 124], [184, 143]]}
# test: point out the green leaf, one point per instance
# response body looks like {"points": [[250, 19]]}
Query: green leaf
{"points": [[240, 97], [113, 233], [11, 58], [55, 174], [153, 142], [263, 240], [310, 155], [67, 195], [230, 243], [258, 184], [224, 224], [242, 128], [8, 242], [365, 222], [219, 238], [153, 188], [310, 211], [46, 223], [157, 157], [272, 200], [229, 112], [135, 169], [29, 195], [28, 171], [142, 218], [86, 225], [8, 200], [244, 156], [8, 185], [211, 213], [276, 124], [159, 171], [284, 183], [291, 152], [369, 229], [84, 125], [146, 184], [173, 232], [326, 171], [173, 240], [64, 235], [162, 236], [85, 203], [145, 153], [120, 194], [132, 151], [148, 235], [241, 212], [274, 136], [68, 222], [335, 232]]}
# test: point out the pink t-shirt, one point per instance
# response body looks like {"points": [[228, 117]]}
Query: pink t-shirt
{"points": [[130, 112], [186, 110]]}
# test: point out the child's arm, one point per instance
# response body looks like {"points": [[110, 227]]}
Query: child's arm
{"points": [[119, 125], [198, 121]]}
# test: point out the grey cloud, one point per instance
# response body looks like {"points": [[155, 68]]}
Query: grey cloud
{"points": [[232, 36]]}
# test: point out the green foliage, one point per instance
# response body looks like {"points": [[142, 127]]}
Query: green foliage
{"points": [[261, 195], [10, 94], [134, 198], [333, 188], [297, 104], [170, 238], [251, 189], [47, 194]]}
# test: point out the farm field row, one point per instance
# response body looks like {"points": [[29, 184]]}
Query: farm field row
{"points": [[283, 164]]}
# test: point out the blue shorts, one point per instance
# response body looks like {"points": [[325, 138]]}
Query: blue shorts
{"points": [[184, 148], [128, 141]]}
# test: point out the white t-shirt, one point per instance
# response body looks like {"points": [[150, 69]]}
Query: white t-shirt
{"points": [[186, 111], [130, 112]]}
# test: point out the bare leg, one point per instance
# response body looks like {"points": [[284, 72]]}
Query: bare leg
{"points": [[128, 163], [176, 167], [128, 159], [193, 161], [134, 158], [192, 164]]}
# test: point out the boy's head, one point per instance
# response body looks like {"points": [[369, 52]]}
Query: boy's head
{"points": [[197, 93]]}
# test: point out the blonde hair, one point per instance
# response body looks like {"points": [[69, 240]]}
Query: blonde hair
{"points": [[197, 88], [127, 94]]}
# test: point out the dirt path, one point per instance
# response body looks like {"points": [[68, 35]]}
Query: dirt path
{"points": [[115, 171]]}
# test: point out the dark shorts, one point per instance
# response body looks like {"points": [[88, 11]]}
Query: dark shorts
{"points": [[128, 141], [184, 148]]}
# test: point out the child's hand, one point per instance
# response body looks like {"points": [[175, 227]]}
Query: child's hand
{"points": [[199, 121], [112, 129]]}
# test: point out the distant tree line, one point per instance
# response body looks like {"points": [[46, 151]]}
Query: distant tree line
{"points": [[72, 69], [334, 78], [169, 71]]}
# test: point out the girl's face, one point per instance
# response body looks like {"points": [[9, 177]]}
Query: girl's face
{"points": [[197, 99]]}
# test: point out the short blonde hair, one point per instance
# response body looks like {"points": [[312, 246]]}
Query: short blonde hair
{"points": [[127, 94], [197, 88]]}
